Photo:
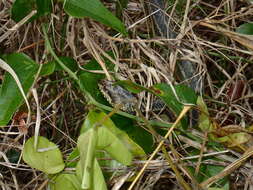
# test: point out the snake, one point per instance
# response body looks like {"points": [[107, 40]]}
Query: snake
{"points": [[115, 95]]}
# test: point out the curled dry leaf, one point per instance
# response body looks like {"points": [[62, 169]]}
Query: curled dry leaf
{"points": [[235, 137]]}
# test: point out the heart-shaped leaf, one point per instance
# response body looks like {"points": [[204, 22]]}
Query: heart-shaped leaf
{"points": [[46, 158]]}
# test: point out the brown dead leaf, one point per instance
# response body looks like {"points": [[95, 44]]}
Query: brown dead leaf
{"points": [[19, 119]]}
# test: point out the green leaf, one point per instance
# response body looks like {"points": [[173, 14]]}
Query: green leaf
{"points": [[13, 155], [95, 10], [21, 8], [204, 121], [246, 28], [106, 161], [185, 95], [112, 144], [139, 135], [89, 80], [131, 86], [71, 161], [49, 160], [98, 178], [10, 96], [68, 62], [65, 182], [207, 170], [95, 116], [235, 139], [86, 145], [47, 69], [44, 7], [212, 170]]}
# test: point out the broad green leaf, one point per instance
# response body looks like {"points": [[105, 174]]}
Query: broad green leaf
{"points": [[88, 82], [131, 86], [68, 62], [246, 28], [106, 161], [44, 7], [112, 144], [46, 158], [10, 96], [97, 117], [21, 8], [93, 65], [98, 178], [79, 171], [95, 10], [65, 182], [185, 95], [47, 69], [86, 145], [139, 135]]}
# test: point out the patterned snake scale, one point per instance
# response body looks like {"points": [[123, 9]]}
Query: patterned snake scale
{"points": [[116, 94]]}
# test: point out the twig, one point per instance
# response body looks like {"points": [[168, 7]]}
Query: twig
{"points": [[16, 26], [181, 115]]}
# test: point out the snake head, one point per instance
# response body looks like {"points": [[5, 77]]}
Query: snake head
{"points": [[115, 95]]}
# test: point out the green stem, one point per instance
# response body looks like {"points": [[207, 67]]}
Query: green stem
{"points": [[50, 49]]}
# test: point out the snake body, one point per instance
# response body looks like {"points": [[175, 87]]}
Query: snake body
{"points": [[116, 94]]}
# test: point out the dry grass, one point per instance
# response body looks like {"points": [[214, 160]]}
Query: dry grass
{"points": [[204, 36]]}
